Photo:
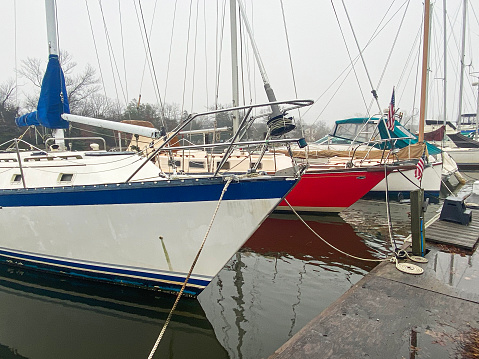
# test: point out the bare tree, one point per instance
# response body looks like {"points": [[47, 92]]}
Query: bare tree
{"points": [[32, 70], [99, 106], [79, 85], [7, 103]]}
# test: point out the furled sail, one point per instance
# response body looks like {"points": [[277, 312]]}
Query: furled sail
{"points": [[53, 101]]}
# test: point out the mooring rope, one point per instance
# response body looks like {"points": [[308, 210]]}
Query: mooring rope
{"points": [[408, 268], [329, 244], [168, 319]]}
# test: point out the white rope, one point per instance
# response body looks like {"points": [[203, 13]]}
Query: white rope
{"points": [[153, 350], [329, 244]]}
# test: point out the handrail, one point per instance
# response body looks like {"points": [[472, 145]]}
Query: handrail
{"points": [[225, 144], [77, 138], [172, 135]]}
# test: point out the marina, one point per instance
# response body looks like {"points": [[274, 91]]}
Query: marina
{"points": [[282, 278], [231, 223]]}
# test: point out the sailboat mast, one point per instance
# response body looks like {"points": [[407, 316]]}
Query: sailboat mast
{"points": [[425, 47], [234, 63], [269, 91], [444, 17], [52, 37], [463, 49]]}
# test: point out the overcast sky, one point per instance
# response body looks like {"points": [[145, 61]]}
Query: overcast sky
{"points": [[318, 52]]}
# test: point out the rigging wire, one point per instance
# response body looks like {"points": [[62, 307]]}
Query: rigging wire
{"points": [[110, 52], [373, 91], [146, 56], [15, 51], [123, 51], [242, 55], [417, 78], [244, 40], [411, 55], [391, 50], [350, 59], [292, 68], [206, 57], [173, 25], [155, 78], [219, 48], [96, 48], [375, 33], [186, 57], [194, 55]]}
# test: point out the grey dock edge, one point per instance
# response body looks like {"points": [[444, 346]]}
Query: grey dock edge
{"points": [[385, 314]]}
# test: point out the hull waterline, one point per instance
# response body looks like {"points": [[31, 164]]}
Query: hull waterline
{"points": [[142, 234]]}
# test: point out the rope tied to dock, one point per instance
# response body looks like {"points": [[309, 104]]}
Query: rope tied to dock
{"points": [[329, 244], [398, 254], [168, 319]]}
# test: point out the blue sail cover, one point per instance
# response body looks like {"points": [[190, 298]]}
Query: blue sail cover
{"points": [[53, 100]]}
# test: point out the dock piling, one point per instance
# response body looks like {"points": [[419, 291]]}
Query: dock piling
{"points": [[417, 223]]}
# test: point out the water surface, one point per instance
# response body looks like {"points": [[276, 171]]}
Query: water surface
{"points": [[281, 279]]}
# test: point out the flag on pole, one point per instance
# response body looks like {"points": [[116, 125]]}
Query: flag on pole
{"points": [[420, 166], [390, 122]]}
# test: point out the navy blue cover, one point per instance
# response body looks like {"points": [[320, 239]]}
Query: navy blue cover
{"points": [[53, 101]]}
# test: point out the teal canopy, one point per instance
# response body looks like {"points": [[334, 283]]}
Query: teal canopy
{"points": [[399, 132]]}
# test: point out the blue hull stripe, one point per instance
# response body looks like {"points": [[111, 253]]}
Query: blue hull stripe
{"points": [[398, 195], [135, 277], [188, 190]]}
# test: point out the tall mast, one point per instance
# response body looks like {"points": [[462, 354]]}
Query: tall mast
{"points": [[463, 49], [52, 35], [425, 47], [444, 15], [234, 63], [428, 67]]}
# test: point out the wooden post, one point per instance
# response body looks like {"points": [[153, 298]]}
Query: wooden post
{"points": [[418, 234]]}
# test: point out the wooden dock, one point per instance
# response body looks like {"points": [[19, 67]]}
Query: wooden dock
{"points": [[391, 314], [465, 237]]}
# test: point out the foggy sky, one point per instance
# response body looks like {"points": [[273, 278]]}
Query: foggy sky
{"points": [[318, 51]]}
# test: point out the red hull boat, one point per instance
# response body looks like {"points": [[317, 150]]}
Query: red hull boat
{"points": [[332, 190]]}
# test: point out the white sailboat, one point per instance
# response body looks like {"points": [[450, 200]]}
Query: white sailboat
{"points": [[110, 216]]}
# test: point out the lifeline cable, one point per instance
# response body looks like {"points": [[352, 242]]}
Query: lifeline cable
{"points": [[168, 319]]}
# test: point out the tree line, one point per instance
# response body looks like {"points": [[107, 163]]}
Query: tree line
{"points": [[86, 99]]}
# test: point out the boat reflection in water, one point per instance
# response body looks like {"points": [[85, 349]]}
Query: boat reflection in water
{"points": [[283, 274], [45, 316]]}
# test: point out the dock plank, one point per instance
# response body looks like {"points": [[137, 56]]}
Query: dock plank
{"points": [[390, 314], [444, 232]]}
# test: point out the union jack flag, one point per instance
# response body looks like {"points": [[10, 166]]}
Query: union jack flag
{"points": [[420, 166], [390, 122]]}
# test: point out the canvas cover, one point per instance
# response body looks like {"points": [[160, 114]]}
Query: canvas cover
{"points": [[53, 101]]}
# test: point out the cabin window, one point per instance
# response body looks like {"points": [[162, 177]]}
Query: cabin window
{"points": [[65, 177], [197, 164], [252, 164], [17, 178], [174, 163], [226, 165]]}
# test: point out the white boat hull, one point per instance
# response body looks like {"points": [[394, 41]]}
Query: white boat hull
{"points": [[401, 183], [466, 158], [145, 241]]}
